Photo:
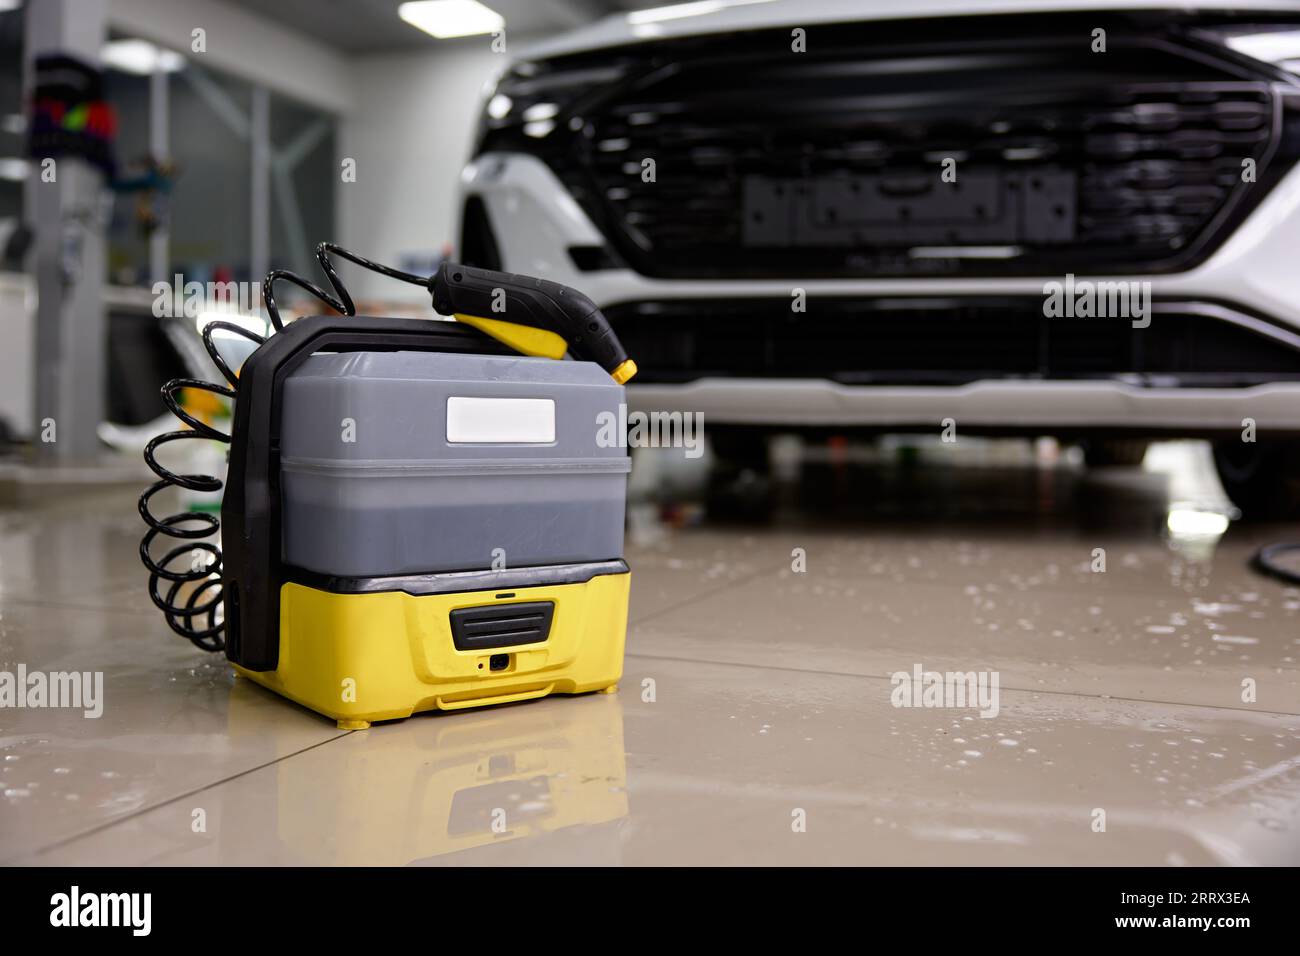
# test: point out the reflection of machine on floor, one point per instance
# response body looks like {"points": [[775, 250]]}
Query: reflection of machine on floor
{"points": [[443, 785]]}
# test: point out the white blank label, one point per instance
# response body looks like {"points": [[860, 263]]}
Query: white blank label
{"points": [[529, 420]]}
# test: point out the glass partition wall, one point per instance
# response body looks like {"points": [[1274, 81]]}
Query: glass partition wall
{"points": [[219, 179]]}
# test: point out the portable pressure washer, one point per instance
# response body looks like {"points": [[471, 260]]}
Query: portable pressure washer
{"points": [[415, 516]]}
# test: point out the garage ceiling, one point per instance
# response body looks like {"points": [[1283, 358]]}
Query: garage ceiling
{"points": [[372, 26]]}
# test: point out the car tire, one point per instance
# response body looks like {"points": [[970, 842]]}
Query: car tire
{"points": [[740, 482], [1262, 479]]}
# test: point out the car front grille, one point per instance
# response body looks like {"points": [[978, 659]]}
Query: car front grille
{"points": [[830, 163], [1065, 183]]}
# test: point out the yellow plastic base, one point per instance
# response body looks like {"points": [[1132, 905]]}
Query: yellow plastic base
{"points": [[364, 657]]}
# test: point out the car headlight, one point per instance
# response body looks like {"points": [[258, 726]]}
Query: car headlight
{"points": [[532, 101]]}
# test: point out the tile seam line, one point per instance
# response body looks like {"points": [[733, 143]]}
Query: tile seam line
{"points": [[108, 824], [1019, 690], [149, 610], [744, 579], [1046, 591], [56, 605]]}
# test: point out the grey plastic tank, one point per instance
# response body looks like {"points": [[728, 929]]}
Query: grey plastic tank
{"points": [[420, 462]]}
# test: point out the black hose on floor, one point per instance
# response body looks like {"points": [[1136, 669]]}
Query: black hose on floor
{"points": [[1266, 561]]}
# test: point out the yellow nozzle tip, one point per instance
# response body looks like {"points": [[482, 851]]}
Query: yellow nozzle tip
{"points": [[624, 372]]}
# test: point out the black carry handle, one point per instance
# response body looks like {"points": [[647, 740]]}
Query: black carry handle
{"points": [[531, 315], [252, 545]]}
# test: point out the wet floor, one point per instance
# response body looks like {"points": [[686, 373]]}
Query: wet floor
{"points": [[1147, 713]]}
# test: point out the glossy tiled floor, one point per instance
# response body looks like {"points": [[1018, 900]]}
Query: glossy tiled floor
{"points": [[755, 697]]}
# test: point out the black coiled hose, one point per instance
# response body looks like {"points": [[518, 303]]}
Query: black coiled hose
{"points": [[343, 303], [188, 618], [196, 616]]}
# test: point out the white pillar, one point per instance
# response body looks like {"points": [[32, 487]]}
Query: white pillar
{"points": [[68, 260], [160, 149]]}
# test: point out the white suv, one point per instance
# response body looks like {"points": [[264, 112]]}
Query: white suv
{"points": [[848, 215]]}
